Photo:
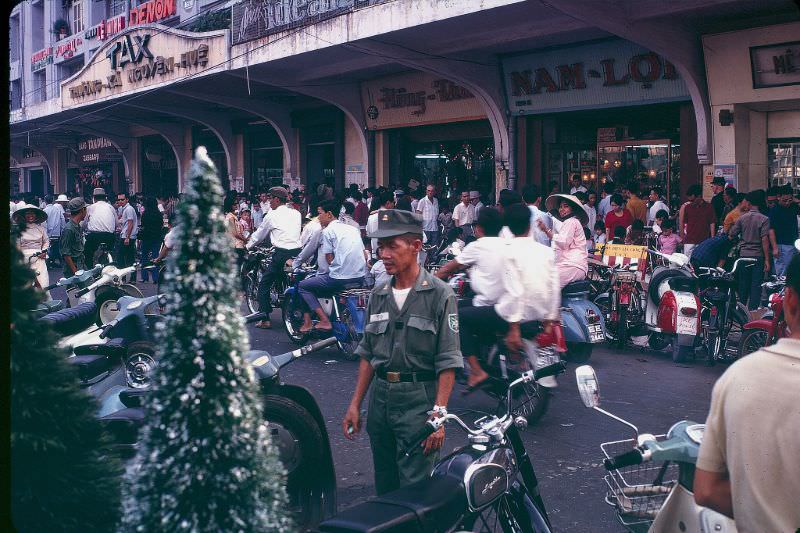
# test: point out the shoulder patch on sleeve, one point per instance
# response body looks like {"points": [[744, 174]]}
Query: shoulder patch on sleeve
{"points": [[452, 321]]}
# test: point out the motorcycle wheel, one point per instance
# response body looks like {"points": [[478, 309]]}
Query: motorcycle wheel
{"points": [[622, 326], [107, 306], [505, 515], [140, 362], [680, 354], [753, 340], [292, 319], [250, 288], [657, 342], [348, 346], [300, 444], [578, 352], [604, 304], [531, 402]]}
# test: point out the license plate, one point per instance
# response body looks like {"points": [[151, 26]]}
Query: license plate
{"points": [[687, 325], [596, 333]]}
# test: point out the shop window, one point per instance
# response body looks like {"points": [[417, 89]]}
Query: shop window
{"points": [[651, 163], [784, 163], [77, 16], [454, 166], [16, 94], [39, 87], [13, 33], [71, 68], [116, 7]]}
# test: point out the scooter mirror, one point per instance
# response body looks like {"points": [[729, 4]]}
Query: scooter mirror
{"points": [[797, 244], [588, 386], [679, 259]]}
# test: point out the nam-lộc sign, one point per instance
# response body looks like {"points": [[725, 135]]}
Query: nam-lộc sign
{"points": [[144, 57]]}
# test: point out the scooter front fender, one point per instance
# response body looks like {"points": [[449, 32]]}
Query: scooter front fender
{"points": [[573, 318], [766, 325], [680, 509]]}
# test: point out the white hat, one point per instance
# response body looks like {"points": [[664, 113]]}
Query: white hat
{"points": [[62, 198], [474, 194]]}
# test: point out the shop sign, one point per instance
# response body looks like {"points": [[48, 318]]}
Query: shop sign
{"points": [[93, 149], [253, 19], [775, 65], [152, 11], [67, 49], [41, 59], [614, 73], [415, 99], [106, 29], [134, 60]]}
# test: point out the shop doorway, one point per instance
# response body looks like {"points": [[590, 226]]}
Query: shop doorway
{"points": [[159, 167], [39, 182], [265, 156], [783, 159], [321, 162], [216, 152]]}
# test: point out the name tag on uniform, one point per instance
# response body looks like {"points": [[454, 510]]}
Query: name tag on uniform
{"points": [[378, 317]]}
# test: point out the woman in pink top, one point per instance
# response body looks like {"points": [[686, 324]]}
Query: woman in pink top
{"points": [[668, 240], [569, 240]]}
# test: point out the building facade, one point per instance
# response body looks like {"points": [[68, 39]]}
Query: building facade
{"points": [[475, 95]]}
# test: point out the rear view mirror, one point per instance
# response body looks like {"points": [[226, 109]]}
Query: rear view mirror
{"points": [[588, 386], [797, 244]]}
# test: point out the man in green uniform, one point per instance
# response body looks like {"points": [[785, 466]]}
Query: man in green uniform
{"points": [[72, 238], [411, 347]]}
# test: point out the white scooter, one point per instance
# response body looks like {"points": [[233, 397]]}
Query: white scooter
{"points": [[651, 477], [672, 309]]}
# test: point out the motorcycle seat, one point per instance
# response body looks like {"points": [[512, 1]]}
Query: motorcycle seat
{"points": [[132, 397], [576, 288], [72, 320], [112, 347], [92, 366], [431, 505], [683, 284]]}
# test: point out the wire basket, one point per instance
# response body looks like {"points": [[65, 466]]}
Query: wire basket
{"points": [[637, 492], [360, 297]]}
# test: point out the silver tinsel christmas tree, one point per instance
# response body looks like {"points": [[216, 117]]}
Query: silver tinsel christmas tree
{"points": [[205, 461]]}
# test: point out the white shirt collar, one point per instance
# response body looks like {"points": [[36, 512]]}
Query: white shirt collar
{"points": [[787, 347]]}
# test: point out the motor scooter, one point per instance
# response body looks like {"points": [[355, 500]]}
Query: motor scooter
{"points": [[582, 321], [651, 477], [346, 310], [672, 309], [766, 330]]}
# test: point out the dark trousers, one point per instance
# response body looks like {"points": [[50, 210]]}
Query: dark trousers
{"points": [[433, 237], [324, 285], [125, 254], [54, 253], [750, 279], [477, 326], [93, 241], [150, 249], [279, 258]]}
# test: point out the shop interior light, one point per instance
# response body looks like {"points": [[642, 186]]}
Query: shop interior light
{"points": [[430, 156]]}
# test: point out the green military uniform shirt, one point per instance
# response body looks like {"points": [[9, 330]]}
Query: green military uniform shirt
{"points": [[71, 243], [423, 336]]}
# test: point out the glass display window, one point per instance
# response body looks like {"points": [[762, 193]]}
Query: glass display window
{"points": [[652, 163], [783, 158]]}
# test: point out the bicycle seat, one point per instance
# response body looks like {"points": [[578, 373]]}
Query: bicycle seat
{"points": [[433, 504], [72, 320]]}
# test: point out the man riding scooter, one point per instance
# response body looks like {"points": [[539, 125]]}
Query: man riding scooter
{"points": [[484, 259]]}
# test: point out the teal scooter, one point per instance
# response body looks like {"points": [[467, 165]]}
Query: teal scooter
{"points": [[650, 477]]}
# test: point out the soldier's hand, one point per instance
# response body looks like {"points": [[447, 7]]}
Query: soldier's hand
{"points": [[434, 441], [351, 424]]}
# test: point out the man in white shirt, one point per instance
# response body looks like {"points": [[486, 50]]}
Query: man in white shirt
{"points": [[657, 205], [310, 240], [747, 467], [532, 197], [282, 225], [344, 253], [604, 207], [475, 200], [265, 203], [464, 214], [100, 222], [56, 221], [384, 200], [577, 185], [428, 207], [257, 213], [530, 291], [129, 229], [484, 259]]}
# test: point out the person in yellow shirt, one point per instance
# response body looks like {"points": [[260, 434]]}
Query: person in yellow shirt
{"points": [[733, 216], [636, 205]]}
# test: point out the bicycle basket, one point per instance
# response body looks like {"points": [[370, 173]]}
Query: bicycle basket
{"points": [[358, 297], [637, 492]]}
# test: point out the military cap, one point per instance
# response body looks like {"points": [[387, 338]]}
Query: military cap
{"points": [[76, 204], [393, 222], [279, 192]]}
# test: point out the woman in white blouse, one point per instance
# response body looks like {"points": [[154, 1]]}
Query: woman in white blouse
{"points": [[33, 239]]}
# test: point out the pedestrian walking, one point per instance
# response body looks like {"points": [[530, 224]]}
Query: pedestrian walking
{"points": [[618, 216], [428, 207], [150, 234], [56, 221], [753, 226], [101, 223], [698, 221], [33, 239], [409, 354], [635, 205], [464, 214], [72, 240], [718, 200], [783, 230], [129, 229]]}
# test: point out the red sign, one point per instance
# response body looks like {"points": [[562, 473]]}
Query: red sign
{"points": [[152, 11], [68, 49], [106, 29], [42, 58]]}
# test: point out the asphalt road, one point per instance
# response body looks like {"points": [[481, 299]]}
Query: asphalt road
{"points": [[642, 386]]}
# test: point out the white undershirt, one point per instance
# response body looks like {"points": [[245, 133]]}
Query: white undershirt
{"points": [[400, 296]]}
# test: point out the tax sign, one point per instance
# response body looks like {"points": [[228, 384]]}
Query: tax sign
{"points": [[143, 57]]}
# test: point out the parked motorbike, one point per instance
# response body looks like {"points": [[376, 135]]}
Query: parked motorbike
{"points": [[346, 311], [542, 346], [582, 321], [103, 285], [489, 483], [258, 262], [621, 304], [651, 477], [723, 317], [672, 309], [296, 426], [766, 330]]}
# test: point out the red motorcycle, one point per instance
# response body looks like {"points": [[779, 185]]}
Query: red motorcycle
{"points": [[768, 329]]}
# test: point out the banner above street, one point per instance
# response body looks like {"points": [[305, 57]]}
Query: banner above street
{"points": [[607, 74], [144, 57]]}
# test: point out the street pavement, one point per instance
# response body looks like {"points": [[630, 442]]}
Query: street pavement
{"points": [[642, 386]]}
